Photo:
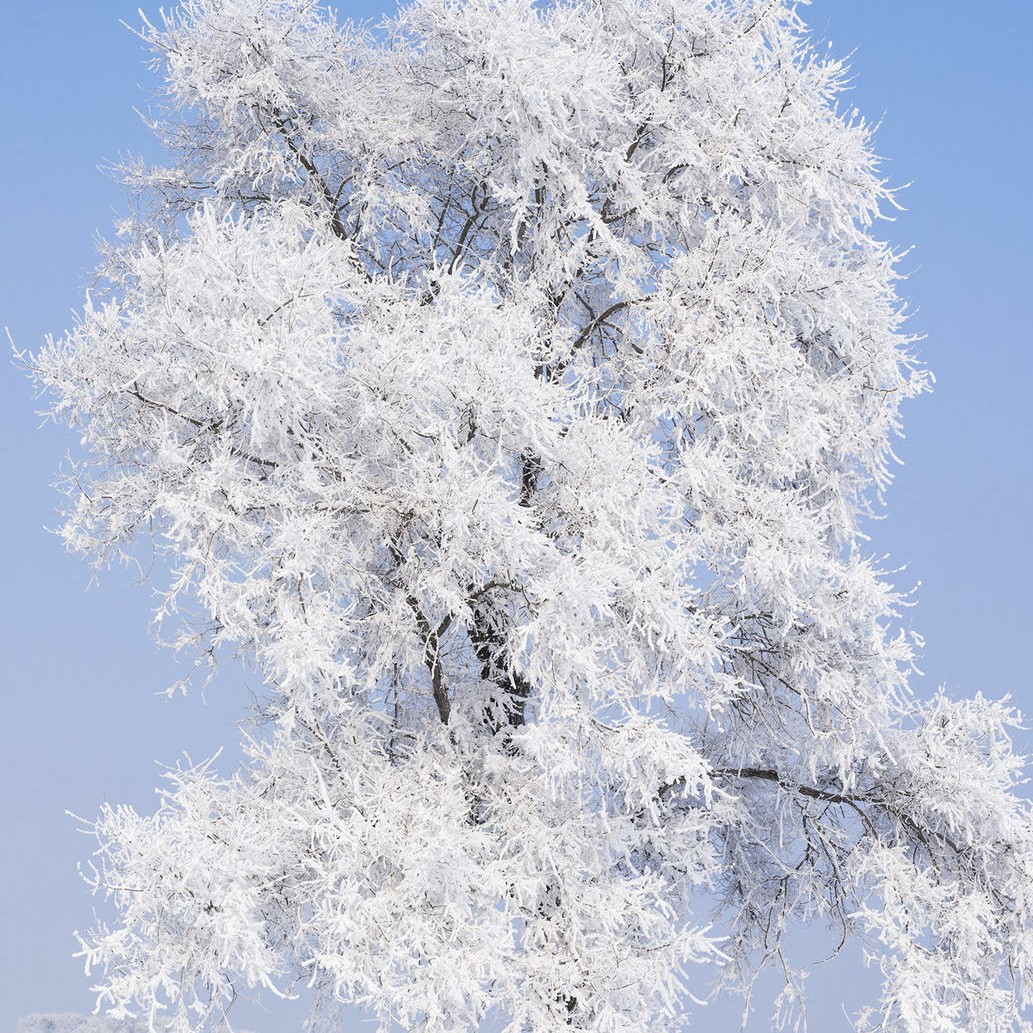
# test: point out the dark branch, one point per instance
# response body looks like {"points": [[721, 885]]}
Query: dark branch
{"points": [[213, 426], [432, 657]]}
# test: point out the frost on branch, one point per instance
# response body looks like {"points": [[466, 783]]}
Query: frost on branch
{"points": [[509, 387]]}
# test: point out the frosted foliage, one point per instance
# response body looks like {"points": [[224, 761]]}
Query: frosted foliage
{"points": [[508, 387]]}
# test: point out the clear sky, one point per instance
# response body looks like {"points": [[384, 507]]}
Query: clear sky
{"points": [[81, 724]]}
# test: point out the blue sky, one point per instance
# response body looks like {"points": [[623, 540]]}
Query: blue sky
{"points": [[81, 723]]}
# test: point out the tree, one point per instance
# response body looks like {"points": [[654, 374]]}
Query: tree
{"points": [[510, 388]]}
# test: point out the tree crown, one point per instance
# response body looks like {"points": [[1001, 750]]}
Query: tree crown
{"points": [[510, 386]]}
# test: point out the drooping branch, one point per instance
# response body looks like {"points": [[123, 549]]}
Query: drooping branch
{"points": [[857, 802]]}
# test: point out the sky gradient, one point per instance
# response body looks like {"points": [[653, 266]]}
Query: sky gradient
{"points": [[82, 723]]}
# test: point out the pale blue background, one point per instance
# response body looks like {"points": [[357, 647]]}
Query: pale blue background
{"points": [[80, 723]]}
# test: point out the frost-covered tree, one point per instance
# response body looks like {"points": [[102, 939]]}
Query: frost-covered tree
{"points": [[510, 387]]}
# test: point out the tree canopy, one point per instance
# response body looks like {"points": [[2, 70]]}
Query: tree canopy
{"points": [[510, 386]]}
